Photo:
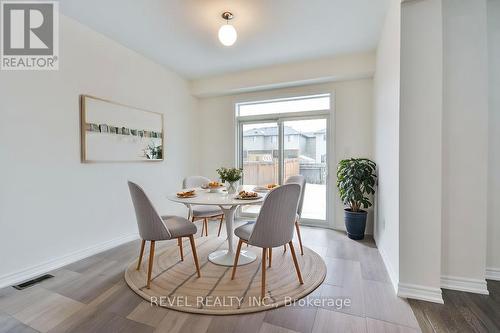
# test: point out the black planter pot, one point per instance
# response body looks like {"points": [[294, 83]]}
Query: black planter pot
{"points": [[355, 223]]}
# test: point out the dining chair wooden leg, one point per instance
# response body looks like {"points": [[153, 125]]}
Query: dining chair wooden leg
{"points": [[297, 227], [270, 257], [284, 248], [179, 242], [195, 256], [238, 250], [295, 262], [151, 259], [220, 225], [143, 243], [263, 282], [202, 227], [206, 227]]}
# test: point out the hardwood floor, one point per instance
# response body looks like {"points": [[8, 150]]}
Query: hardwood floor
{"points": [[91, 296], [461, 312]]}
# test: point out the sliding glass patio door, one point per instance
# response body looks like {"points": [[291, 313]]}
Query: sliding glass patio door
{"points": [[259, 154], [273, 150], [305, 153]]}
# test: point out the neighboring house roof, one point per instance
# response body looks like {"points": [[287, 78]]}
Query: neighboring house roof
{"points": [[273, 131], [306, 159], [313, 134], [321, 131]]}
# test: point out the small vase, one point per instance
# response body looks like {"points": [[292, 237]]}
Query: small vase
{"points": [[231, 189]]}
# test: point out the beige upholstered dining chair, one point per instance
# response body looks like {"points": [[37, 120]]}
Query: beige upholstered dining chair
{"points": [[153, 227], [202, 212], [273, 227], [301, 180]]}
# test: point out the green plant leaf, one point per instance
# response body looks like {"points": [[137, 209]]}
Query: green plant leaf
{"points": [[356, 180]]}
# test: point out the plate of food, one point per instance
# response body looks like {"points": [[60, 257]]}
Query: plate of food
{"points": [[213, 186], [260, 189], [246, 195], [186, 194], [265, 188]]}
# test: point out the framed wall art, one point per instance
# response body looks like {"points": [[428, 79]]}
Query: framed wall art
{"points": [[114, 132]]}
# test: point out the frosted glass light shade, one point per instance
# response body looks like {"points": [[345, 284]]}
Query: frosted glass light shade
{"points": [[227, 35]]}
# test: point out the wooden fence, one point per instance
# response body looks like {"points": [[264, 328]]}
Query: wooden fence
{"points": [[262, 173]]}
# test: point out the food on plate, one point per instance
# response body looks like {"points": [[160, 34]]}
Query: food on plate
{"points": [[261, 189], [214, 184], [247, 195], [186, 194], [271, 186]]}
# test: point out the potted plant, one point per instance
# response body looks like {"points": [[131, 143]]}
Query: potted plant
{"points": [[230, 175], [356, 179]]}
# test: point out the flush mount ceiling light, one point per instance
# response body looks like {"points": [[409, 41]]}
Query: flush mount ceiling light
{"points": [[227, 33]]}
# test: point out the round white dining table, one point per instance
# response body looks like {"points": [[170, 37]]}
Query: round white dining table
{"points": [[228, 203]]}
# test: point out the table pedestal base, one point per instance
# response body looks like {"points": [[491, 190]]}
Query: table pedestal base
{"points": [[225, 258]]}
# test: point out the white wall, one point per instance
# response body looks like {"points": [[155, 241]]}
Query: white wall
{"points": [[493, 253], [386, 140], [465, 145], [51, 205], [443, 147], [353, 105], [420, 149], [339, 68]]}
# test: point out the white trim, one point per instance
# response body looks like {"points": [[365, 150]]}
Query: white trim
{"points": [[49, 265], [423, 293], [283, 99], [269, 117], [477, 286], [492, 273], [331, 160], [390, 269]]}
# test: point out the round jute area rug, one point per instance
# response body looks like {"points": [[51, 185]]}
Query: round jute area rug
{"points": [[175, 284]]}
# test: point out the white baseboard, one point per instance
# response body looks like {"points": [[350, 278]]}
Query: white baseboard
{"points": [[493, 273], [47, 266], [477, 286], [390, 270], [423, 293]]}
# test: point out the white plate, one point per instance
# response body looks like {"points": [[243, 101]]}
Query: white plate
{"points": [[261, 189], [215, 189], [189, 197], [253, 198]]}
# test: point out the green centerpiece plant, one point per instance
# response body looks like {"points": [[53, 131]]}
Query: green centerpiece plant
{"points": [[231, 176]]}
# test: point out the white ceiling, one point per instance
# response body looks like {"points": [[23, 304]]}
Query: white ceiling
{"points": [[182, 34]]}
